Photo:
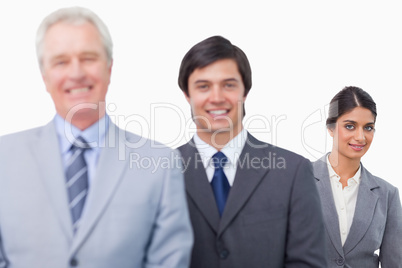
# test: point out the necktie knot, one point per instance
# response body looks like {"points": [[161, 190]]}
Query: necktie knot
{"points": [[219, 160], [80, 144]]}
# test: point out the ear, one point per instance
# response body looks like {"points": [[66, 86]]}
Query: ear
{"points": [[44, 80], [110, 66], [331, 131], [109, 71], [187, 97]]}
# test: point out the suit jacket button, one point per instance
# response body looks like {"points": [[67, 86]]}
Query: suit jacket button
{"points": [[224, 254], [73, 262], [340, 261]]}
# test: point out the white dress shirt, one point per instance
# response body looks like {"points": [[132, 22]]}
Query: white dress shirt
{"points": [[232, 150], [345, 199]]}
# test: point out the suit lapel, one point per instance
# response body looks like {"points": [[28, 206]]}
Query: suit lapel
{"points": [[246, 180], [327, 202], [108, 175], [365, 206], [46, 152], [197, 185]]}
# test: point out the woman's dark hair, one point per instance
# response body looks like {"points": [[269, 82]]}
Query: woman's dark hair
{"points": [[207, 52], [346, 100]]}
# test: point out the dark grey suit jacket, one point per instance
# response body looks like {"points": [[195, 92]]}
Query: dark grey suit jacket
{"points": [[272, 216], [377, 223]]}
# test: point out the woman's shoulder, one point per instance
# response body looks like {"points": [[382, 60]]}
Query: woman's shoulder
{"points": [[373, 181]]}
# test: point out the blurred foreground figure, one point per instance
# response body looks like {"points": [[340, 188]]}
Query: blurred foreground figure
{"points": [[71, 192]]}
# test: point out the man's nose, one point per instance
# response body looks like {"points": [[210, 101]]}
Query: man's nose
{"points": [[76, 70], [217, 94]]}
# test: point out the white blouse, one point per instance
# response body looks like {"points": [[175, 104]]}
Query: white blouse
{"points": [[345, 199]]}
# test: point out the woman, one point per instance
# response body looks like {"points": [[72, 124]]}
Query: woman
{"points": [[362, 213]]}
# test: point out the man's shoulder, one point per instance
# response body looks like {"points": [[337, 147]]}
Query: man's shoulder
{"points": [[142, 144], [21, 136], [15, 146], [187, 148], [253, 143]]}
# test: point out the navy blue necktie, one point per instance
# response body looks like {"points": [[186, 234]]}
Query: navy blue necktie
{"points": [[219, 183], [77, 180]]}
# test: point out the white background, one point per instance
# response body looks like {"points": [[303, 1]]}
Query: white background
{"points": [[301, 52]]}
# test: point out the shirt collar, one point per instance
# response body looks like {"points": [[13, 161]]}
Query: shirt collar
{"points": [[67, 133], [232, 149], [333, 175]]}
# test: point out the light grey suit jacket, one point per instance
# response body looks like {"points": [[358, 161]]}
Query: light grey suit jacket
{"points": [[136, 215], [272, 217], [377, 223]]}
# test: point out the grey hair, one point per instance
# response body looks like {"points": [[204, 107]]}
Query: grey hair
{"points": [[73, 15]]}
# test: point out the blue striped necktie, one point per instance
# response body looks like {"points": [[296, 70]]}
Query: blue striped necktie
{"points": [[219, 183], [77, 180]]}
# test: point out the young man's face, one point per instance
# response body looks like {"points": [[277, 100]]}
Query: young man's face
{"points": [[216, 96], [75, 69]]}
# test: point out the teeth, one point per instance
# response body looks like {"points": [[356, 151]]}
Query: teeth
{"points": [[79, 90], [218, 112], [359, 147]]}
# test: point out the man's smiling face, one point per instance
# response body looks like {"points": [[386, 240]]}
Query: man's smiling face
{"points": [[75, 69], [216, 96]]}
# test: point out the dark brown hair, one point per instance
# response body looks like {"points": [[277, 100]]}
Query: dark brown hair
{"points": [[346, 100], [207, 52]]}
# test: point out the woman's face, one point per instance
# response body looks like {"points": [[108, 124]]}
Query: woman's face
{"points": [[353, 133]]}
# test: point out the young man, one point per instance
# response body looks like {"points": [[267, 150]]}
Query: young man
{"points": [[69, 196], [245, 211]]}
